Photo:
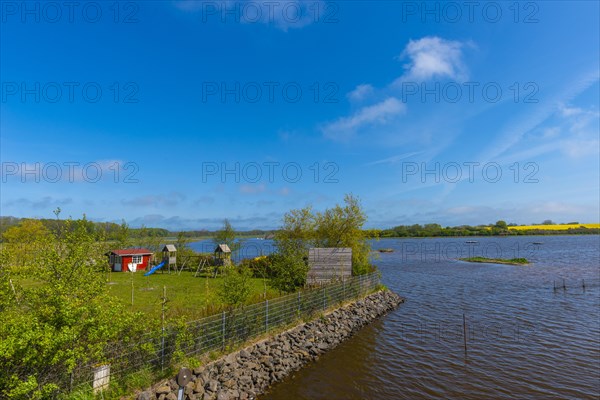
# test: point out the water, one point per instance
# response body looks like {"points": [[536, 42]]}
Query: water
{"points": [[524, 339]]}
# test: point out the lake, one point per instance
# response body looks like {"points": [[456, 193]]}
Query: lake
{"points": [[524, 338]]}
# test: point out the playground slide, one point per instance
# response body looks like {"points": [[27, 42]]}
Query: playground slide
{"points": [[154, 269]]}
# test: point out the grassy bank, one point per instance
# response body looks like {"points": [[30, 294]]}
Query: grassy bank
{"points": [[511, 261]]}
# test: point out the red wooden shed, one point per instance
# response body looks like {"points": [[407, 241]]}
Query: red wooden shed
{"points": [[129, 259]]}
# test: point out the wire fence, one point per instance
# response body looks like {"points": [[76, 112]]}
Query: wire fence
{"points": [[215, 333], [571, 286]]}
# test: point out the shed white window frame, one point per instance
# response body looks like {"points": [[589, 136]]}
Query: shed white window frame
{"points": [[137, 259]]}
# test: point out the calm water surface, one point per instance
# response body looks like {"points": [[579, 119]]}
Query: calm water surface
{"points": [[524, 339]]}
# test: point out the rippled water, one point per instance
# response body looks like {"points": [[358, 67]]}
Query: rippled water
{"points": [[524, 339]]}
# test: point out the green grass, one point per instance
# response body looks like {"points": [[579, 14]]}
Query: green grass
{"points": [[511, 261], [187, 295]]}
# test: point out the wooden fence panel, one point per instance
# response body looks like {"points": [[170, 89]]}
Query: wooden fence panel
{"points": [[326, 264]]}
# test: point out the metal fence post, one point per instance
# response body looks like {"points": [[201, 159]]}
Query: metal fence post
{"points": [[299, 307], [324, 307], [267, 316], [223, 329], [162, 338], [343, 289]]}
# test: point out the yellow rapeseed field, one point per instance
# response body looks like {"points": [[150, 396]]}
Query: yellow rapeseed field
{"points": [[553, 227]]}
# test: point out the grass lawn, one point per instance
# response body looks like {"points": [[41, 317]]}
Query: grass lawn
{"points": [[186, 295]]}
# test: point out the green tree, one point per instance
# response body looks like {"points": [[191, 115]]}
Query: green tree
{"points": [[22, 241], [66, 319], [123, 235], [501, 224], [340, 226], [227, 235]]}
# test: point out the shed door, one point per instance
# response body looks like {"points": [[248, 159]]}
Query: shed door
{"points": [[117, 264]]}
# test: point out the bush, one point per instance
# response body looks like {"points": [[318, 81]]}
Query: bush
{"points": [[290, 272], [236, 286]]}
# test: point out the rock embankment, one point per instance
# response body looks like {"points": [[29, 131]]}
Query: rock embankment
{"points": [[249, 372]]}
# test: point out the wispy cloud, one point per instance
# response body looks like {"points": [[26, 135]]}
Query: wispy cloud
{"points": [[162, 200], [346, 127], [361, 92], [509, 137], [46, 202], [395, 159]]}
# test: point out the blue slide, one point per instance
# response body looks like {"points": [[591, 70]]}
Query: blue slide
{"points": [[155, 268]]}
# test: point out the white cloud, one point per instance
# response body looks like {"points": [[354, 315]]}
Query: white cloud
{"points": [[361, 92], [430, 57], [346, 127], [434, 57], [566, 111]]}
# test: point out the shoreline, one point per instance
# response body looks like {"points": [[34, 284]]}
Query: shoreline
{"points": [[251, 371]]}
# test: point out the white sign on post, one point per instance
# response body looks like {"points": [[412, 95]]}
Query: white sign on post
{"points": [[101, 378]]}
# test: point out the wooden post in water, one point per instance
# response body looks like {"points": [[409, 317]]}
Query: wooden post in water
{"points": [[554, 283], [583, 284], [465, 334], [564, 286]]}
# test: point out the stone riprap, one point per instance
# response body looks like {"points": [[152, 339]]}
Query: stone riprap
{"points": [[249, 372]]}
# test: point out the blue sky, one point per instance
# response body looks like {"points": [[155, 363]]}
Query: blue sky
{"points": [[197, 111]]}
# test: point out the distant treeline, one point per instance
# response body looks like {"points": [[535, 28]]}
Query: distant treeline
{"points": [[436, 230], [114, 231]]}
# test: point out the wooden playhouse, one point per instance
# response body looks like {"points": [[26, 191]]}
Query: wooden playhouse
{"points": [[129, 259]]}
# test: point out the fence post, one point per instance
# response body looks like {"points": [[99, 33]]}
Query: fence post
{"points": [[299, 307], [162, 339], [324, 307], [343, 289], [223, 329], [267, 316]]}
